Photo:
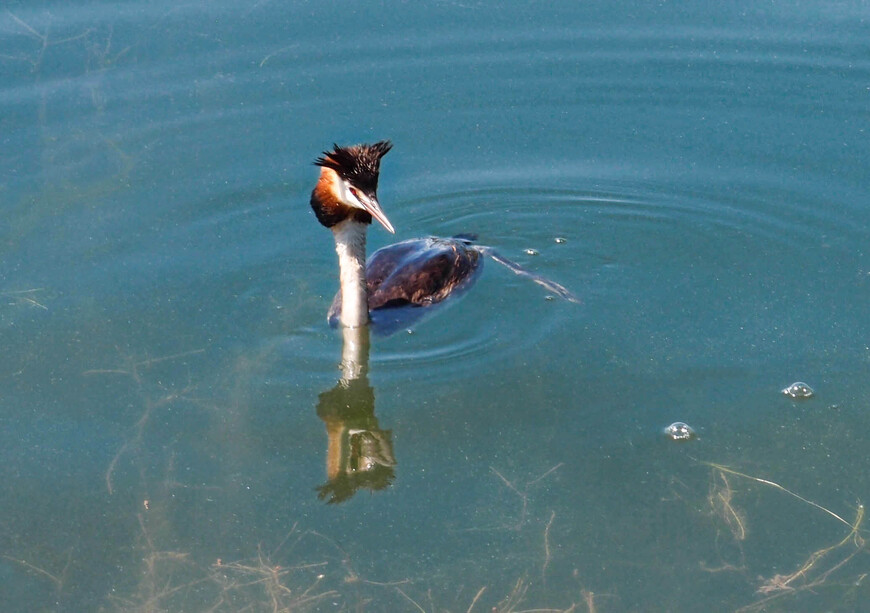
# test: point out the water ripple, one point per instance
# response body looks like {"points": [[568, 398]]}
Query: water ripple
{"points": [[603, 231]]}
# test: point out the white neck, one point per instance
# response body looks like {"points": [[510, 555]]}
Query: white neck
{"points": [[350, 244]]}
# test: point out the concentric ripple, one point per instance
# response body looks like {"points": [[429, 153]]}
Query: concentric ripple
{"points": [[593, 239]]}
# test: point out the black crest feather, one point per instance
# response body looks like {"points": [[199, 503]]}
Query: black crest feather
{"points": [[359, 164]]}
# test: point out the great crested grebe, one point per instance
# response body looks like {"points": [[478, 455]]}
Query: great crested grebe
{"points": [[413, 273]]}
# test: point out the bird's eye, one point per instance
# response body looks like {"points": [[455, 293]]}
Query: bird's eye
{"points": [[355, 193]]}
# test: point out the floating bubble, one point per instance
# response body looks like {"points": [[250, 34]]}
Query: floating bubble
{"points": [[798, 389], [560, 240], [531, 251], [679, 431]]}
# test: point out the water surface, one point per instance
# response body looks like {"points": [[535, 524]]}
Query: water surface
{"points": [[169, 388]]}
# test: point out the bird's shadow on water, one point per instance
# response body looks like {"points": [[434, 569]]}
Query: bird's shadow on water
{"points": [[388, 321]]}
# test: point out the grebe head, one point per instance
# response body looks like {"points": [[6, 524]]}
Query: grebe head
{"points": [[348, 185]]}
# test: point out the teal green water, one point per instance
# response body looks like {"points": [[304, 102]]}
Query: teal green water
{"points": [[171, 402]]}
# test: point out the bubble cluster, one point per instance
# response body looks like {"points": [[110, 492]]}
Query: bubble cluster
{"points": [[798, 389], [531, 251], [679, 431], [560, 240]]}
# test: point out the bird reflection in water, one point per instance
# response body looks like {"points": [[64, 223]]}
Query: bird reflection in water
{"points": [[359, 453]]}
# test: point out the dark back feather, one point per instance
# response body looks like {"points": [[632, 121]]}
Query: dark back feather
{"points": [[416, 273]]}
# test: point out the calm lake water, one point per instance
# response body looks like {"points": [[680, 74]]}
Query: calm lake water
{"points": [[176, 433]]}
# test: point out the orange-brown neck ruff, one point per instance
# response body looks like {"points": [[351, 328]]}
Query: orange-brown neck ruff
{"points": [[327, 206]]}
